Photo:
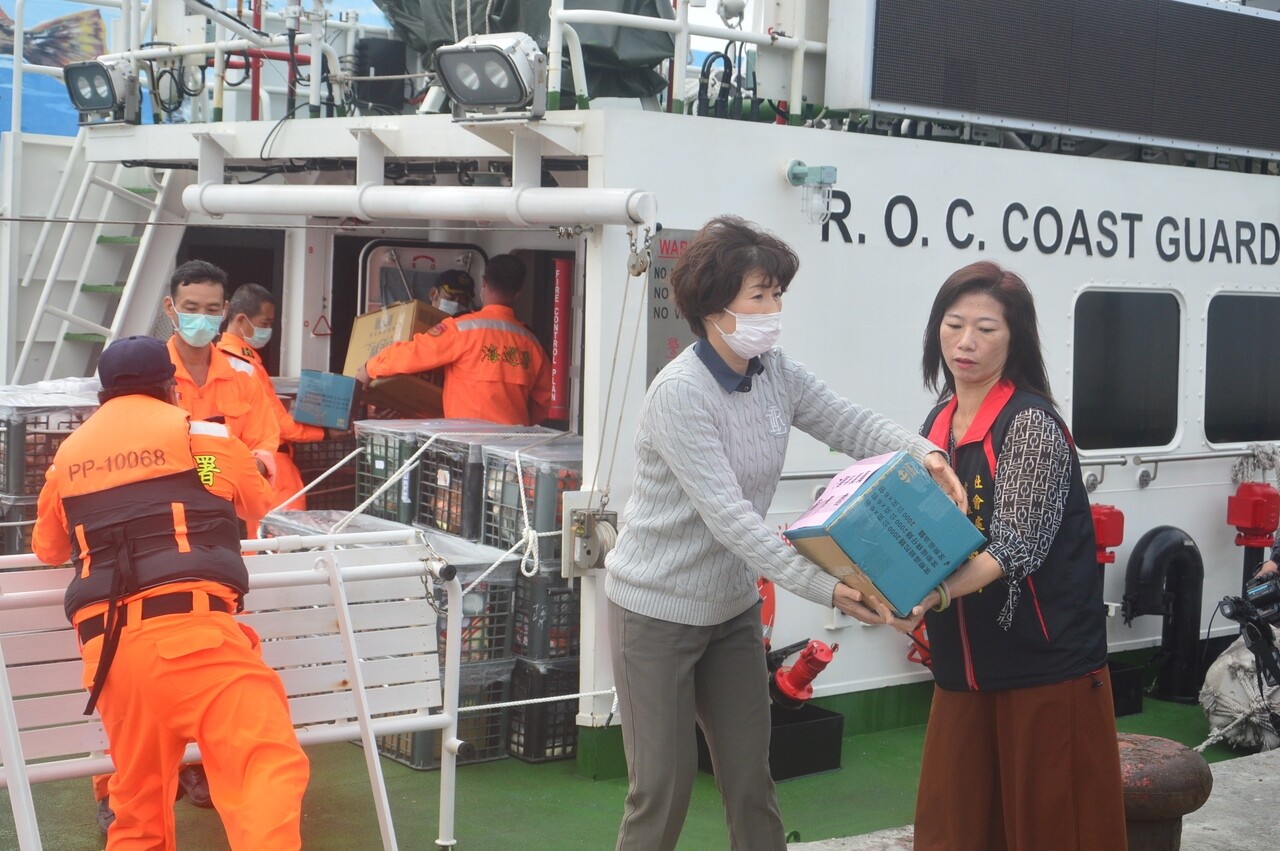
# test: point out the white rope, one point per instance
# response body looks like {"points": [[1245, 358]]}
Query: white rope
{"points": [[1261, 458], [486, 706], [608, 398], [393, 479], [1231, 692], [307, 488], [19, 523], [528, 538]]}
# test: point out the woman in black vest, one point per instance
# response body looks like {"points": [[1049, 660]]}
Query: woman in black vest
{"points": [[1021, 746]]}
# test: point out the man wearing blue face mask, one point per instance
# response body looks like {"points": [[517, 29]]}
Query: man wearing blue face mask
{"points": [[246, 330], [211, 385]]}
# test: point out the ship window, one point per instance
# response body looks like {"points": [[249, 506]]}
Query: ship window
{"points": [[1242, 372], [1125, 389]]}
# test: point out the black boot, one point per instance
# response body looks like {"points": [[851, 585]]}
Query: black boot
{"points": [[105, 815], [192, 781]]}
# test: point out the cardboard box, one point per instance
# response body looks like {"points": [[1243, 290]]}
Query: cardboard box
{"points": [[325, 399], [416, 395], [885, 528]]}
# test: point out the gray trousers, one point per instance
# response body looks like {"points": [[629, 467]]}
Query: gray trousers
{"points": [[668, 676]]}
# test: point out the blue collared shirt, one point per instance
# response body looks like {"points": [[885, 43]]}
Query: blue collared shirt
{"points": [[725, 375]]}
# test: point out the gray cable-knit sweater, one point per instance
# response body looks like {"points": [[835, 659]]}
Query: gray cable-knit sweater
{"points": [[708, 461]]}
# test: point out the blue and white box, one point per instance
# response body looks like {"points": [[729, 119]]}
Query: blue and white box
{"points": [[885, 528], [325, 399]]}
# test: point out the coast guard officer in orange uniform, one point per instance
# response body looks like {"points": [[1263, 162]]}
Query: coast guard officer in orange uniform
{"points": [[494, 367], [138, 497], [247, 328], [209, 384]]}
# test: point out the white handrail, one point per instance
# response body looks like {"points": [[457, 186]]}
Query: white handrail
{"points": [[681, 28]]}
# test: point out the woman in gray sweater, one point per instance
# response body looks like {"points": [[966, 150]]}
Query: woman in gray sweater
{"points": [[684, 613]]}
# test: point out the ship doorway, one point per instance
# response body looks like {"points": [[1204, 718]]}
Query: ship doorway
{"points": [[248, 256]]}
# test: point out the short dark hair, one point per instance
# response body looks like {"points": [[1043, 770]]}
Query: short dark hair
{"points": [[155, 391], [1024, 365], [709, 274], [248, 299], [196, 272], [505, 274]]}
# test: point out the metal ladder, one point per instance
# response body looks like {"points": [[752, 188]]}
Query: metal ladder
{"points": [[125, 238]]}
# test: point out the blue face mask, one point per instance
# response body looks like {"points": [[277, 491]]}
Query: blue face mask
{"points": [[198, 329], [259, 338]]}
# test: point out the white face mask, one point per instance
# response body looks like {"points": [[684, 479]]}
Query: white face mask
{"points": [[448, 306], [755, 334]]}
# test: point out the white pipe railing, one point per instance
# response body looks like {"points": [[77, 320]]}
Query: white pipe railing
{"points": [[681, 28], [369, 198], [534, 206]]}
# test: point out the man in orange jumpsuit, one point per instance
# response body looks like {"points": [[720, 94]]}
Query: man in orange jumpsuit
{"points": [[138, 497], [247, 328], [211, 385], [494, 367]]}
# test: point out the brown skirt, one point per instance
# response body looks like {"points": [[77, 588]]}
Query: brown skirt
{"points": [[1029, 769]]}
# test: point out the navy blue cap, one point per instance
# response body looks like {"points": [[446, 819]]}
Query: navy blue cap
{"points": [[456, 282], [135, 362]]}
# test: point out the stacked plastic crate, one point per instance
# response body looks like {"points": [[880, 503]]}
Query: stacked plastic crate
{"points": [[33, 424], [523, 488], [545, 641], [484, 677], [527, 483], [485, 672], [451, 470], [387, 445], [338, 490]]}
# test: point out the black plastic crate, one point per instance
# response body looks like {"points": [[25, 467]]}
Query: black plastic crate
{"points": [[542, 732], [547, 620], [338, 490], [544, 472], [451, 471], [19, 517], [28, 442], [387, 445], [487, 611], [802, 741], [484, 730]]}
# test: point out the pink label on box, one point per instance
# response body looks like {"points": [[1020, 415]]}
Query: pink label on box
{"points": [[844, 485]]}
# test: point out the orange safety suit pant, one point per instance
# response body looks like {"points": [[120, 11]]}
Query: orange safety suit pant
{"points": [[198, 677], [288, 482]]}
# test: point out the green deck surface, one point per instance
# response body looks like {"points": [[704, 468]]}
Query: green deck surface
{"points": [[509, 804]]}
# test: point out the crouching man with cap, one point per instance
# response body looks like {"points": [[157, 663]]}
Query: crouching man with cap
{"points": [[141, 500]]}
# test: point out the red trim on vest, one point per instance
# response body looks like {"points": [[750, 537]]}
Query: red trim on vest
{"points": [[942, 425], [1035, 598], [992, 404], [969, 675]]}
